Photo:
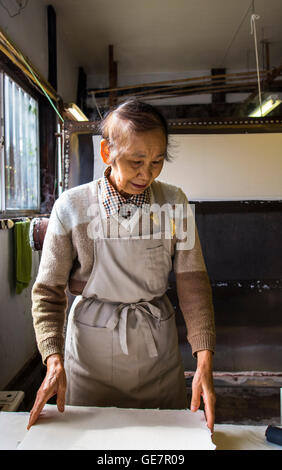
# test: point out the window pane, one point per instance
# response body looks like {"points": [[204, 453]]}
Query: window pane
{"points": [[21, 148]]}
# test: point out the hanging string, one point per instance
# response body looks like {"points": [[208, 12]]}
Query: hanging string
{"points": [[236, 33], [255, 17], [96, 104]]}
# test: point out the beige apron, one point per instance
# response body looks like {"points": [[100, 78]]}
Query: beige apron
{"points": [[122, 343]]}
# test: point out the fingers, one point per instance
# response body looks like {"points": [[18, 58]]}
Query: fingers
{"points": [[196, 397], [41, 400], [45, 392], [54, 383], [209, 402], [202, 386], [61, 393]]}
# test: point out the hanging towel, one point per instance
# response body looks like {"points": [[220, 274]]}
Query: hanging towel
{"points": [[23, 255]]}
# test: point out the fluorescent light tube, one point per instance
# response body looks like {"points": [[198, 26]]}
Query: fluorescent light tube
{"points": [[76, 112], [267, 106]]}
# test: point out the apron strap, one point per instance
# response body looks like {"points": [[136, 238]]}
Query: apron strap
{"points": [[142, 310]]}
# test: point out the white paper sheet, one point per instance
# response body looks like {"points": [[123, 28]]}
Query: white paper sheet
{"points": [[12, 429], [93, 428], [225, 436]]}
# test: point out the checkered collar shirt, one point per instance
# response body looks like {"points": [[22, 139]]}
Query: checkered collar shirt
{"points": [[114, 202]]}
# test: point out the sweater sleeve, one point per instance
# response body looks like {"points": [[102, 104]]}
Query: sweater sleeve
{"points": [[49, 299], [193, 284]]}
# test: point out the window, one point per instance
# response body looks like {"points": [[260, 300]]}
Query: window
{"points": [[20, 189]]}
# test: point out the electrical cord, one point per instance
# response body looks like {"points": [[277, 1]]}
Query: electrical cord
{"points": [[236, 32]]}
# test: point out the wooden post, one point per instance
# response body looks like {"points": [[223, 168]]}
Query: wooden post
{"points": [[112, 77], [52, 47], [218, 97], [81, 88]]}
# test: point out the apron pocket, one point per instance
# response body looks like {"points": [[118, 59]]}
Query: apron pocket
{"points": [[158, 267], [93, 351]]}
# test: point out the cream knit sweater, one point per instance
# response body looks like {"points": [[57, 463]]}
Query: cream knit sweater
{"points": [[67, 259]]}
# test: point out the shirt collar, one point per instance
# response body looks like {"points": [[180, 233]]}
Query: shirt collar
{"points": [[113, 200]]}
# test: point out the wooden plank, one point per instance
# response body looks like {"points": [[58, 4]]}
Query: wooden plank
{"points": [[179, 81]]}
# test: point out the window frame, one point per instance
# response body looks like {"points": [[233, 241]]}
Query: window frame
{"points": [[3, 210], [2, 146], [48, 145]]}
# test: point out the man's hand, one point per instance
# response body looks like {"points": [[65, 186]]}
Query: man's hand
{"points": [[54, 383], [202, 386]]}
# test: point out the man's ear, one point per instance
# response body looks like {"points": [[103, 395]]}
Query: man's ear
{"points": [[105, 151]]}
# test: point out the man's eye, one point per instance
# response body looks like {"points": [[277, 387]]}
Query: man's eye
{"points": [[157, 162]]}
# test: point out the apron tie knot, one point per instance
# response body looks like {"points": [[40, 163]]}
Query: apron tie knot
{"points": [[142, 311]]}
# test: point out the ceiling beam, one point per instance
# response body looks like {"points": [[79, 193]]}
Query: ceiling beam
{"points": [[209, 88], [181, 82]]}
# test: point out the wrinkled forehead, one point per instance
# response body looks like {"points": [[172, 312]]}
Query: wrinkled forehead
{"points": [[144, 143], [124, 135], [124, 131]]}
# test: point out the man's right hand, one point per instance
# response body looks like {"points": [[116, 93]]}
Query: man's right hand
{"points": [[54, 384]]}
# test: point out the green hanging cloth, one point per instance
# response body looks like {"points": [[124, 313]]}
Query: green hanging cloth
{"points": [[23, 255]]}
